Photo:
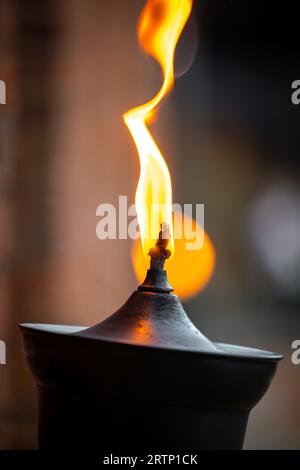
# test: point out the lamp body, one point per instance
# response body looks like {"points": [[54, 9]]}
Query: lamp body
{"points": [[111, 394]]}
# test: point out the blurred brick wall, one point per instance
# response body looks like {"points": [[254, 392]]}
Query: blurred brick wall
{"points": [[72, 68], [94, 159], [8, 114]]}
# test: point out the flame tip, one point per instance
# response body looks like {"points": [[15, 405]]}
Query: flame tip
{"points": [[159, 28]]}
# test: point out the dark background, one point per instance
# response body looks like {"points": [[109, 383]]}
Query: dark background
{"points": [[230, 134]]}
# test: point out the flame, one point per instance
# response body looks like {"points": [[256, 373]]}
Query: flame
{"points": [[159, 29]]}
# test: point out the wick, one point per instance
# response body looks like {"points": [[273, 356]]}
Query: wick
{"points": [[160, 252], [156, 277]]}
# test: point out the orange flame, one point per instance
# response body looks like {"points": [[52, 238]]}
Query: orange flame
{"points": [[159, 29], [160, 26]]}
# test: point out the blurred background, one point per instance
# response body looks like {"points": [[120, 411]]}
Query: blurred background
{"points": [[229, 132]]}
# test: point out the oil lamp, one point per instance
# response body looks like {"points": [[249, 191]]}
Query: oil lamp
{"points": [[146, 377]]}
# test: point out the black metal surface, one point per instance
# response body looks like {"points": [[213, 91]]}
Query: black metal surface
{"points": [[144, 378], [153, 319], [105, 394]]}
